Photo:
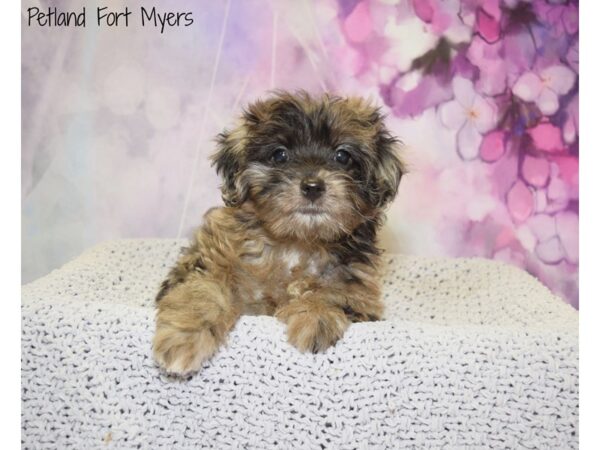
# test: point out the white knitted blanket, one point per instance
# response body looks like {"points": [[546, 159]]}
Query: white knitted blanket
{"points": [[472, 354]]}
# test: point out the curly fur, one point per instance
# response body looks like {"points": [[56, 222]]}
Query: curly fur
{"points": [[312, 263]]}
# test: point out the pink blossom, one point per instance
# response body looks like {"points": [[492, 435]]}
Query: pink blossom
{"points": [[423, 9], [443, 19], [568, 169], [535, 170], [491, 7], [492, 66], [506, 98], [501, 62], [357, 25], [488, 26], [544, 89], [546, 137], [557, 236], [469, 113], [520, 201], [492, 147]]}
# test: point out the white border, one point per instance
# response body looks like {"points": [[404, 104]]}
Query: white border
{"points": [[589, 225], [10, 176]]}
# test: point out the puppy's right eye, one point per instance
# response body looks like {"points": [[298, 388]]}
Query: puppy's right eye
{"points": [[280, 155]]}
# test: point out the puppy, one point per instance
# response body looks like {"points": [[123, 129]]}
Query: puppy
{"points": [[305, 181]]}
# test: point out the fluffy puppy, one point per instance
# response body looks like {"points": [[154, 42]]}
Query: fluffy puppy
{"points": [[305, 181]]}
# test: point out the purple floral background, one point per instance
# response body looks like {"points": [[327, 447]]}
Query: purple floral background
{"points": [[117, 124], [502, 76]]}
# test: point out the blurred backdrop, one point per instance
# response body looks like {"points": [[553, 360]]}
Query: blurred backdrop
{"points": [[117, 123]]}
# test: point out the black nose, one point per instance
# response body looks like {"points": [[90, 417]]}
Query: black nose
{"points": [[312, 188]]}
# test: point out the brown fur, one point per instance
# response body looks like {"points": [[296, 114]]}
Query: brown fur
{"points": [[262, 254]]}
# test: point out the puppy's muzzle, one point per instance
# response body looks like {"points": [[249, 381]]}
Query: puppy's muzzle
{"points": [[312, 188]]}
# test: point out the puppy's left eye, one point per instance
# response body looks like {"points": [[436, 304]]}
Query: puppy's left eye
{"points": [[280, 155], [342, 157]]}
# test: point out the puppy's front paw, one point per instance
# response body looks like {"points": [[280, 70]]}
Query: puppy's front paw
{"points": [[312, 326], [183, 352]]}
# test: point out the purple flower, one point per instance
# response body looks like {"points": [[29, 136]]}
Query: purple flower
{"points": [[492, 65], [544, 89], [469, 113]]}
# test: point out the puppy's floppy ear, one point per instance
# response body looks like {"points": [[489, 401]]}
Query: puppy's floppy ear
{"points": [[385, 167], [230, 160], [388, 168]]}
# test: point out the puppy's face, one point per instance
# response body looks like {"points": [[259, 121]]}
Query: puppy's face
{"points": [[314, 169]]}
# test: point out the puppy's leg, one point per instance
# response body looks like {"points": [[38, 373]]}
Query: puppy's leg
{"points": [[313, 323], [361, 303], [317, 316], [359, 295], [193, 320]]}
